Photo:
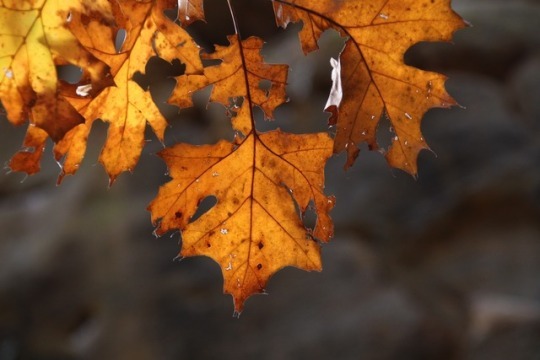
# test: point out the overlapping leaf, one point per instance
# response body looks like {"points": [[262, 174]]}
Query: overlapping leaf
{"points": [[34, 38], [126, 106], [375, 80]]}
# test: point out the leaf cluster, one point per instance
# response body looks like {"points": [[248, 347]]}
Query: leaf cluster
{"points": [[263, 182]]}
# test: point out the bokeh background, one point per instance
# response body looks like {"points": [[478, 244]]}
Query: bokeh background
{"points": [[443, 267]]}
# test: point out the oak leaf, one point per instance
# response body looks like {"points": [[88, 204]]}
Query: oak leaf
{"points": [[226, 76], [375, 82], [259, 180], [126, 106], [263, 183], [28, 158], [254, 229]]}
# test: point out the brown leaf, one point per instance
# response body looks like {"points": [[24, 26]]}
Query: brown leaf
{"points": [[28, 158], [375, 80]]}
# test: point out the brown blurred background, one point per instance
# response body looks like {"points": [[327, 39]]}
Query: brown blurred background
{"points": [[443, 267]]}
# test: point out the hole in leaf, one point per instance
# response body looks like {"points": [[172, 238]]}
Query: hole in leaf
{"points": [[214, 31], [261, 124], [211, 62], [293, 199], [69, 73], [235, 103], [385, 132], [310, 217], [120, 39], [204, 206], [171, 14], [265, 85], [158, 70]]}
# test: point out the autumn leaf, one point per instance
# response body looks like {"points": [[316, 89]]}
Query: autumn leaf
{"points": [[253, 71], [263, 183], [34, 39], [259, 181], [375, 82], [28, 158], [126, 106], [226, 77], [254, 230]]}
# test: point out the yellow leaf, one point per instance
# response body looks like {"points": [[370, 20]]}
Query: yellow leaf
{"points": [[34, 38], [126, 106]]}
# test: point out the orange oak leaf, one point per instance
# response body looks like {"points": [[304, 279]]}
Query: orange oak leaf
{"points": [[252, 70], [126, 106], [226, 76], [254, 229], [375, 82], [263, 183]]}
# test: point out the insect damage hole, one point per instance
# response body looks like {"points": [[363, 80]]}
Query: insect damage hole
{"points": [[204, 206], [69, 73], [265, 85], [309, 217], [120, 39], [385, 132]]}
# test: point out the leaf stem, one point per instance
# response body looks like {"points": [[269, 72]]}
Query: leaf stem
{"points": [[233, 16]]}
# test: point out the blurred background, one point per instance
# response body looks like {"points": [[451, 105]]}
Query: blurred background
{"points": [[443, 267]]}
